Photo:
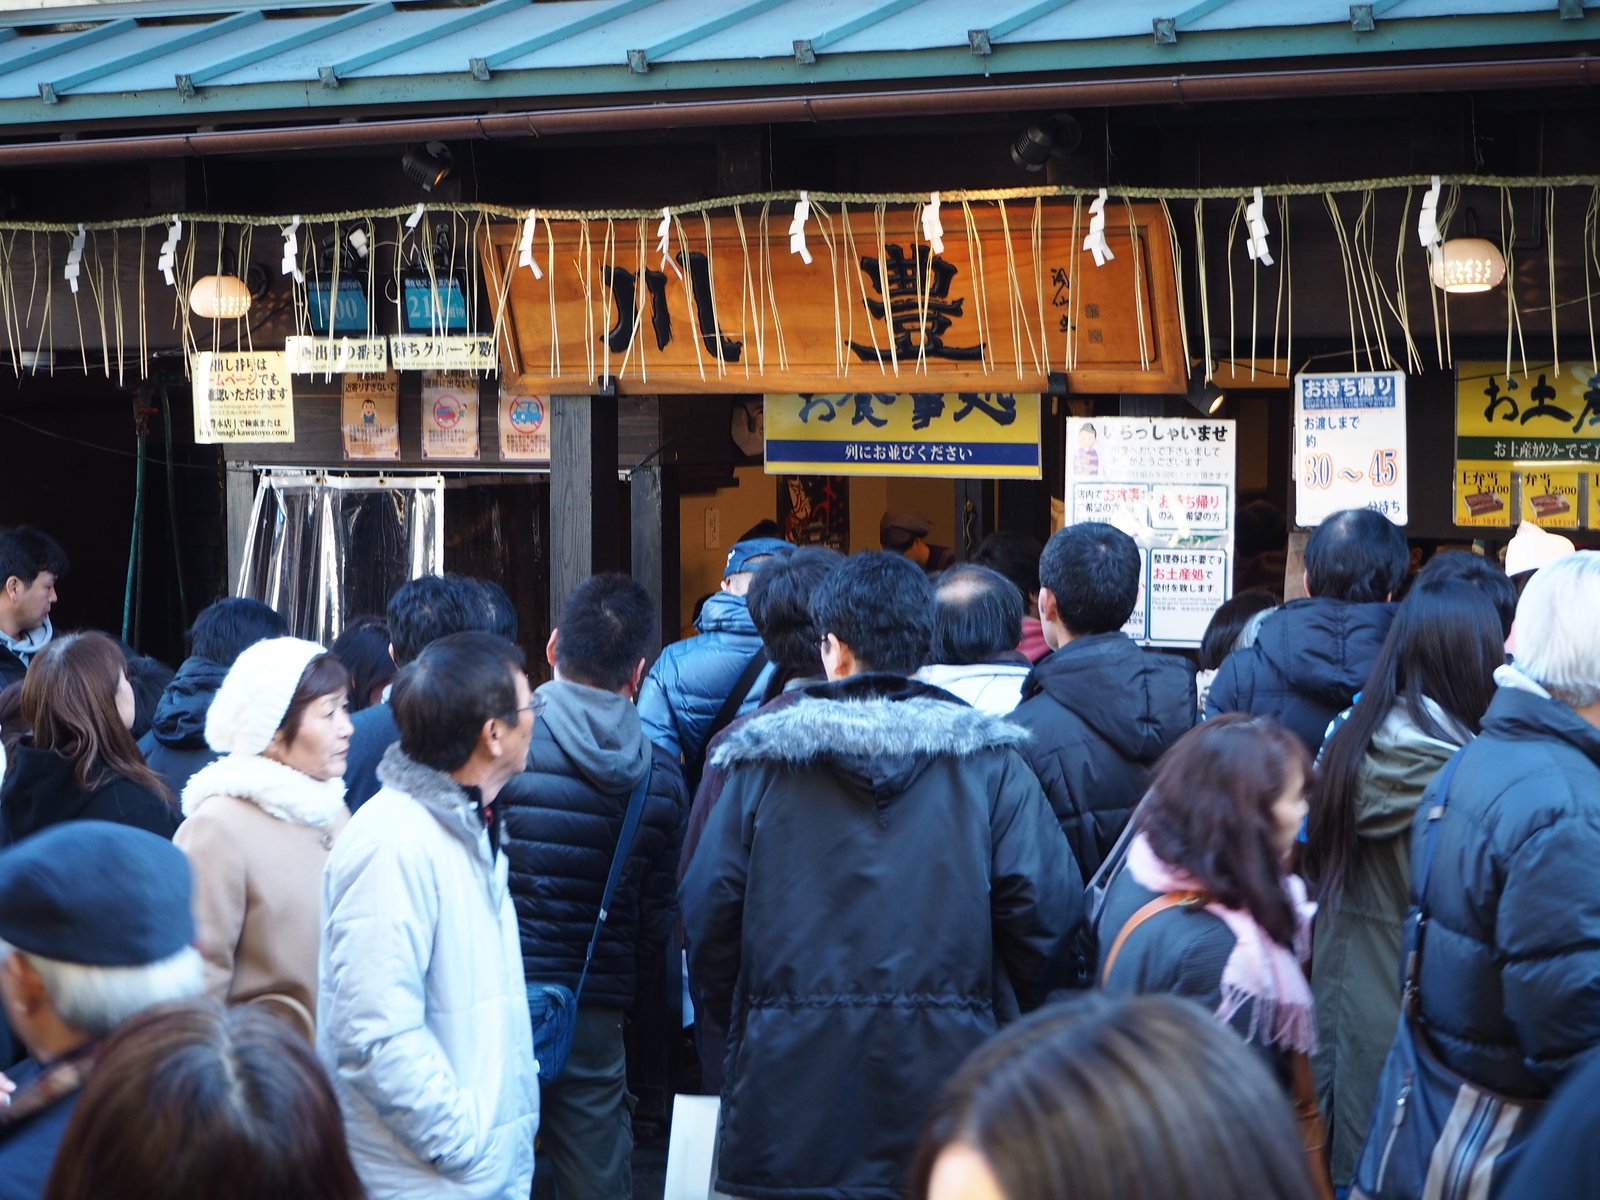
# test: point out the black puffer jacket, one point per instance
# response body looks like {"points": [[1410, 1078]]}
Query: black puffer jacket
{"points": [[1101, 710], [40, 791], [879, 881], [1510, 965], [1309, 660], [176, 745], [562, 819]]}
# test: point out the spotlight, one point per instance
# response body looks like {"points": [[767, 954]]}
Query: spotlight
{"points": [[429, 165], [1046, 139], [1204, 398]]}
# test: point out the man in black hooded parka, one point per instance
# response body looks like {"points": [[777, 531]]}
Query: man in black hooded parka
{"points": [[880, 884]]}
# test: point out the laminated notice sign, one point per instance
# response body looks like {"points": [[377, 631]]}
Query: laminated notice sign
{"points": [[245, 397], [524, 426], [370, 417], [1169, 484], [1350, 444], [1552, 496], [1483, 493], [449, 414]]}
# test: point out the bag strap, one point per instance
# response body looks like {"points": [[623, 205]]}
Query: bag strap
{"points": [[1159, 904], [1430, 833], [729, 710], [1112, 863], [630, 826]]}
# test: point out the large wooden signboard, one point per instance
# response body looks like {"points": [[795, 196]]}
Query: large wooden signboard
{"points": [[1011, 298]]}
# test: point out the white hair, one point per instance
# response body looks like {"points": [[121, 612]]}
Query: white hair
{"points": [[1556, 640], [94, 1000]]}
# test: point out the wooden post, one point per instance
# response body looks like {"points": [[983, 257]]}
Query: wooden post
{"points": [[583, 493], [239, 497], [649, 546]]}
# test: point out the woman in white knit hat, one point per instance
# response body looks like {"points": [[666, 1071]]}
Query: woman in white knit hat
{"points": [[260, 821]]}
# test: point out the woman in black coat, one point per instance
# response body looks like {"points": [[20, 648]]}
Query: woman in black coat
{"points": [[81, 762], [1210, 840]]}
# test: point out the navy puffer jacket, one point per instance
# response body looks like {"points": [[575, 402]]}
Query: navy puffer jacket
{"points": [[176, 746], [1510, 977], [691, 680], [562, 818], [1309, 660]]}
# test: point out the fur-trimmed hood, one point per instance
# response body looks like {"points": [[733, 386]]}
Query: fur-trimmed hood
{"points": [[883, 728], [277, 790], [452, 805]]}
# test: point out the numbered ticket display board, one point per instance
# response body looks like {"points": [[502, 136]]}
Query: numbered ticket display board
{"points": [[1350, 444], [1168, 483]]}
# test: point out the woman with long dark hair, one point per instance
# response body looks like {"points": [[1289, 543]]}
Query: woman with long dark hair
{"points": [[1426, 695], [81, 760], [1212, 836]]}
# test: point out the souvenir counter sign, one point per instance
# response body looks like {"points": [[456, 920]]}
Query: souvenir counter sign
{"points": [[327, 356], [1350, 444], [242, 397], [963, 435], [1006, 296], [370, 417], [1168, 484], [1522, 441], [524, 426], [449, 414]]}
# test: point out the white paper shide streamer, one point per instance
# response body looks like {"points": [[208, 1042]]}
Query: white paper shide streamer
{"points": [[1428, 219], [932, 227], [167, 261], [415, 218], [75, 259], [525, 245], [1095, 243], [663, 243], [797, 229], [1256, 222], [291, 250]]}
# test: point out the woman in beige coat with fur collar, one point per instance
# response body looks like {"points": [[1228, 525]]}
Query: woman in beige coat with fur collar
{"points": [[260, 821]]}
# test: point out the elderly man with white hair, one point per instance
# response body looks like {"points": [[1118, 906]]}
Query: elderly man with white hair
{"points": [[1510, 970], [95, 926]]}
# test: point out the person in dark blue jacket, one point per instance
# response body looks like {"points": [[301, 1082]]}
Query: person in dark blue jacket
{"points": [[1100, 708], [1312, 655], [1509, 968], [421, 611], [692, 679], [175, 747], [562, 819], [95, 926]]}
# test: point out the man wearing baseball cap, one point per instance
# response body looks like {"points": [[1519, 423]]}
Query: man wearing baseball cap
{"points": [[903, 533], [689, 690], [95, 925]]}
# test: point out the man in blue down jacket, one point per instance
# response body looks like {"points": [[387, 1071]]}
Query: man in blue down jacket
{"points": [[692, 679], [1101, 709], [879, 884], [1314, 654], [1512, 953], [563, 816]]}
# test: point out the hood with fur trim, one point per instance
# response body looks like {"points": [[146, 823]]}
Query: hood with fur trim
{"points": [[883, 730], [277, 790]]}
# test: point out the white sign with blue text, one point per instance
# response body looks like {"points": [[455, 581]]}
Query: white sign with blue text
{"points": [[1350, 444]]}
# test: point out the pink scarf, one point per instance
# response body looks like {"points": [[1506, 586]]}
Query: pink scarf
{"points": [[1259, 972]]}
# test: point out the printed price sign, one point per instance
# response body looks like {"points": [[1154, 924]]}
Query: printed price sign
{"points": [[1350, 444]]}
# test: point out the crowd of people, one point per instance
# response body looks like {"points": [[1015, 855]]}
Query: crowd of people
{"points": [[965, 894]]}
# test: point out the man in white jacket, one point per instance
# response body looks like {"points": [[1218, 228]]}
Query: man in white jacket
{"points": [[422, 1014]]}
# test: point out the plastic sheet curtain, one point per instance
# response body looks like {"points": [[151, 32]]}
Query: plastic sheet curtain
{"points": [[325, 549]]}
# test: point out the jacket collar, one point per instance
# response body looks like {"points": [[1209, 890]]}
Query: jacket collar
{"points": [[445, 799], [866, 718], [279, 791], [1524, 711]]}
